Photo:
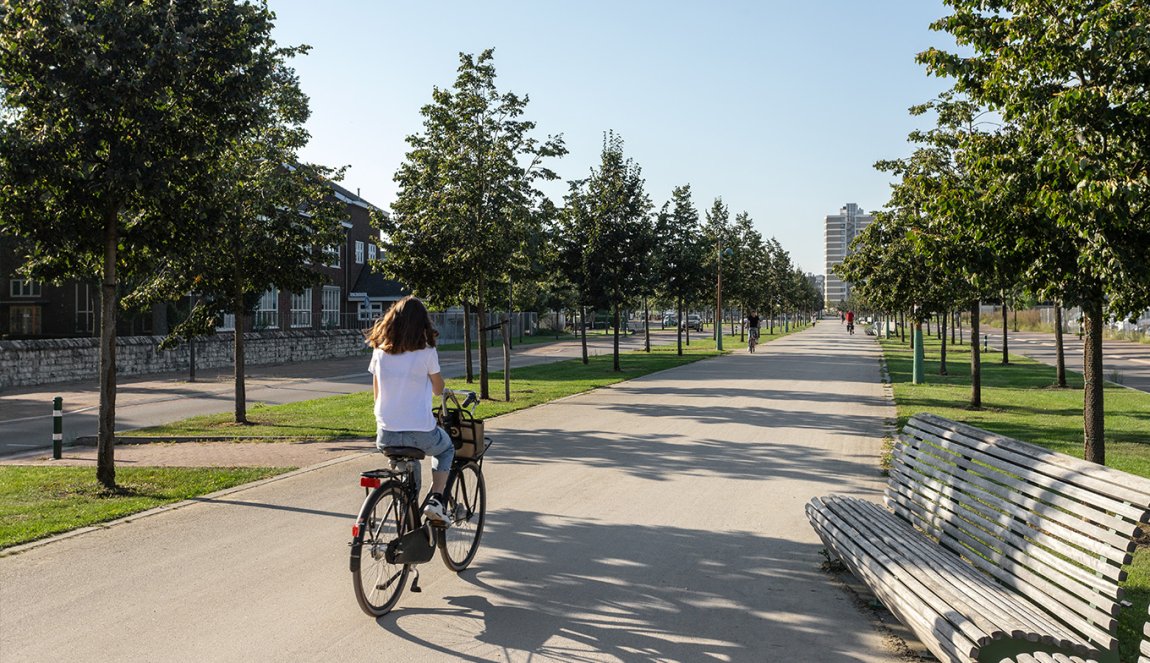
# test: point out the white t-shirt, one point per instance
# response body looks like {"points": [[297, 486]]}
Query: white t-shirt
{"points": [[404, 402]]}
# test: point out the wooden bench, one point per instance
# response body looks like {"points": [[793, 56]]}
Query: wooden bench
{"points": [[992, 549]]}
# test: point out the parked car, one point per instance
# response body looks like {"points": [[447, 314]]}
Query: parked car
{"points": [[670, 320], [692, 321]]}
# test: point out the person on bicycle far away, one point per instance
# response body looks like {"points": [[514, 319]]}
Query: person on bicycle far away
{"points": [[850, 318], [753, 324], [405, 374]]}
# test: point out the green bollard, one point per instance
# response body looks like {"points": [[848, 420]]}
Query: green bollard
{"points": [[57, 428]]}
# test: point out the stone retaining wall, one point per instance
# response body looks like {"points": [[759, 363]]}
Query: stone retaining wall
{"points": [[25, 363]]}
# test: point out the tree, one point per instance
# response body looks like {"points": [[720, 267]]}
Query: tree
{"points": [[680, 253], [275, 218], [467, 199], [719, 238], [613, 214], [116, 114], [1070, 76]]}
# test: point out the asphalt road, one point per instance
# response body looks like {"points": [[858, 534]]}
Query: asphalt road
{"points": [[26, 413], [1124, 362], [657, 520]]}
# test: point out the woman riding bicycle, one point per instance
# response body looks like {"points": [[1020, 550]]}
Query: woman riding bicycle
{"points": [[405, 374]]}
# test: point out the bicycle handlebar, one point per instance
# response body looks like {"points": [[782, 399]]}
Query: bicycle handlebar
{"points": [[471, 398]]}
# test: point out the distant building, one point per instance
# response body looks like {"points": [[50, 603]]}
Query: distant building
{"points": [[820, 283], [351, 297], [841, 229]]}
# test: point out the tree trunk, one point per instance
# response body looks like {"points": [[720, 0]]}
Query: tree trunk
{"points": [[1059, 349], [975, 360], [506, 328], [106, 440], [583, 331], [953, 315], [679, 327], [1093, 384], [902, 327], [467, 359], [646, 327], [239, 361], [615, 351], [1005, 342], [481, 314], [942, 355]]}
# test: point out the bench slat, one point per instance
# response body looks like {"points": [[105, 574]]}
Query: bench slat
{"points": [[939, 636], [952, 525], [1101, 578], [996, 603], [1095, 557], [1093, 518], [1120, 486]]}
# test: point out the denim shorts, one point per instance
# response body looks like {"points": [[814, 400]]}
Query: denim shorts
{"points": [[435, 443]]}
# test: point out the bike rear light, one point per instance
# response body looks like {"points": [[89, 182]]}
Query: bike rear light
{"points": [[355, 531], [370, 482]]}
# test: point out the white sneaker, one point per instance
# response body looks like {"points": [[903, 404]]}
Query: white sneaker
{"points": [[435, 512]]}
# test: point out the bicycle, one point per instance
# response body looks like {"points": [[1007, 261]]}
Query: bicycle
{"points": [[753, 339], [389, 539]]}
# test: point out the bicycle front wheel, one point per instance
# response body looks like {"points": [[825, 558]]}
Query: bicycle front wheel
{"points": [[467, 510], [386, 515]]}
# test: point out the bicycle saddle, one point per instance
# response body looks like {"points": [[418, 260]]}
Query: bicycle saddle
{"points": [[410, 453]]}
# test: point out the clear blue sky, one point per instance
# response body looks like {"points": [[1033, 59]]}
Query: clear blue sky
{"points": [[780, 108]]}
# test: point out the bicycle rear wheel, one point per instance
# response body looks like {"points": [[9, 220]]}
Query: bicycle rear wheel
{"points": [[386, 515], [467, 510]]}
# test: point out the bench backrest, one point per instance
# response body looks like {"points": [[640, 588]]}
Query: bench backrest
{"points": [[1054, 528]]}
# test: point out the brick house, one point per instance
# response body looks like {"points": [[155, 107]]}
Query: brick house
{"points": [[350, 298]]}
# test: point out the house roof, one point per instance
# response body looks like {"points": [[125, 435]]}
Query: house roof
{"points": [[375, 287], [349, 197]]}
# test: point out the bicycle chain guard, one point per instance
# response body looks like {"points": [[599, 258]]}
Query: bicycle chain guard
{"points": [[415, 547]]}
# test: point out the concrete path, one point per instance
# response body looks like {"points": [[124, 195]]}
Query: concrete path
{"points": [[660, 519]]}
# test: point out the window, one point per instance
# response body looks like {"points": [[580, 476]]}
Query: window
{"points": [[85, 309], [358, 252], [227, 322], [301, 309], [331, 254], [371, 251], [370, 310], [267, 315], [24, 320], [24, 288], [330, 316]]}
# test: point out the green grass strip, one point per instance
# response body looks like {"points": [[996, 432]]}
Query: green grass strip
{"points": [[36, 501]]}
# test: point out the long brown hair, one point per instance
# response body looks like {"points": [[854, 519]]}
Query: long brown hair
{"points": [[405, 327]]}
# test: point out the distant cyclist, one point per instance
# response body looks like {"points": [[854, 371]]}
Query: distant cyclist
{"points": [[753, 330], [850, 317]]}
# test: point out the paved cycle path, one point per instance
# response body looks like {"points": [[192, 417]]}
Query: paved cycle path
{"points": [[660, 519]]}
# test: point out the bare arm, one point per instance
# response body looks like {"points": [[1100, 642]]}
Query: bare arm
{"points": [[436, 383]]}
